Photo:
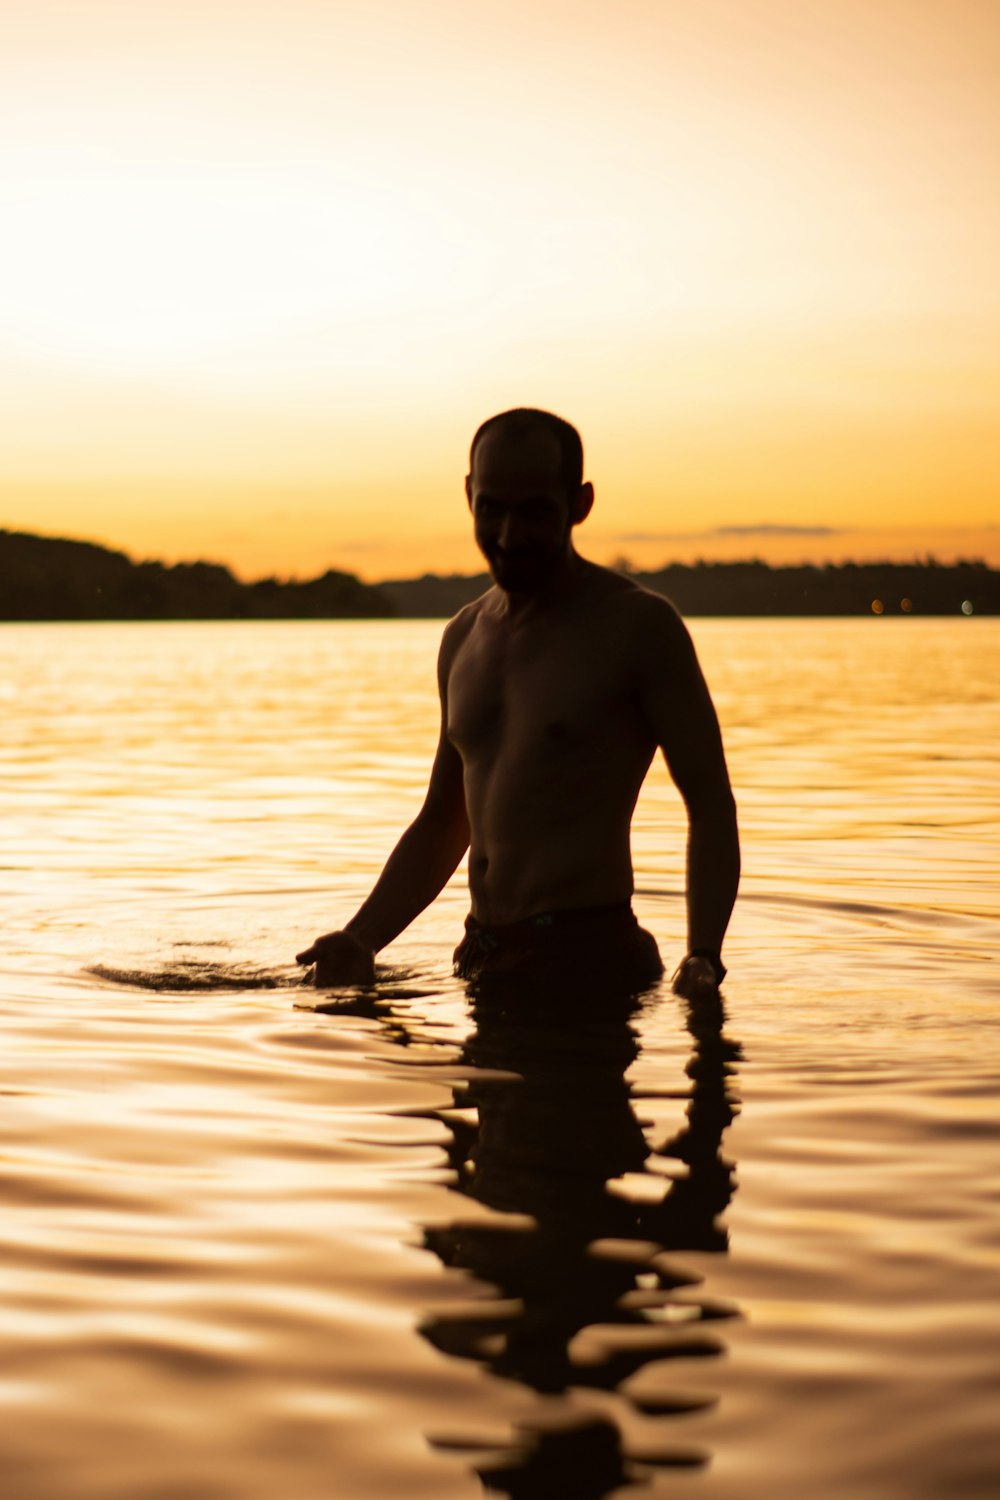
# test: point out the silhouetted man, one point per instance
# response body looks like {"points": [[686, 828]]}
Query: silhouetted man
{"points": [[557, 686]]}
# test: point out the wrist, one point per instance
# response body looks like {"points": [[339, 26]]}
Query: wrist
{"points": [[357, 931], [714, 957]]}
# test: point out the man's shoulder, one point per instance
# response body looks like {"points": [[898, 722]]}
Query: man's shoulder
{"points": [[644, 632], [459, 626], [635, 604], [469, 613]]}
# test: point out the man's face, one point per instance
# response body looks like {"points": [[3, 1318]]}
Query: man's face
{"points": [[520, 509]]}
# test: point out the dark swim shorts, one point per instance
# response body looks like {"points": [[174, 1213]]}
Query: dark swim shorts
{"points": [[603, 943]]}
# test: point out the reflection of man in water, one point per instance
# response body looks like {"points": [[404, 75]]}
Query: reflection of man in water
{"points": [[587, 1294], [556, 688]]}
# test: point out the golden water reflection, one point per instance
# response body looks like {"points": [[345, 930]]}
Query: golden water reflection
{"points": [[209, 1269], [573, 1220]]}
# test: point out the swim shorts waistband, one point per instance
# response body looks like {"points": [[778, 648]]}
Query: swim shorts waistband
{"points": [[569, 916], [575, 944]]}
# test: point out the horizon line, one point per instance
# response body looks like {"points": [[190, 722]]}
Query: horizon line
{"points": [[620, 564]]}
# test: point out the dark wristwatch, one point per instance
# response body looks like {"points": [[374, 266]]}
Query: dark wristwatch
{"points": [[715, 959]]}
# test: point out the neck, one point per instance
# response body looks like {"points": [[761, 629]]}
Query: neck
{"points": [[561, 585]]}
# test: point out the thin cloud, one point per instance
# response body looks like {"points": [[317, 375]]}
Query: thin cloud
{"points": [[766, 530], [718, 532]]}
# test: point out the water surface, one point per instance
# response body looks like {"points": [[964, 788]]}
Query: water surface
{"points": [[425, 1246]]}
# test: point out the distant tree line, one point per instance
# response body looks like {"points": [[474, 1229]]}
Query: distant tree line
{"points": [[755, 588], [46, 578]]}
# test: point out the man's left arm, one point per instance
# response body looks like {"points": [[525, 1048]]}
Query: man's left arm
{"points": [[679, 709]]}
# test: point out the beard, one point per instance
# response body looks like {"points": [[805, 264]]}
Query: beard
{"points": [[528, 568], [522, 572]]}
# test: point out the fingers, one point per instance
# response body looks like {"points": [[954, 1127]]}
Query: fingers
{"points": [[340, 961], [317, 950], [695, 978]]}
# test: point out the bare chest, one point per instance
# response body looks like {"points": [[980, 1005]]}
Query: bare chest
{"points": [[525, 695]]}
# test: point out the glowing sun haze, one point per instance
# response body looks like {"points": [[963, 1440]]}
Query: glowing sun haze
{"points": [[266, 266]]}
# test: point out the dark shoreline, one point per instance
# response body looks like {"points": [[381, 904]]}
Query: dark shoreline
{"points": [[50, 578]]}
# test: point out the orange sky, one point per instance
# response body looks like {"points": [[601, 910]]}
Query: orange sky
{"points": [[265, 265]]}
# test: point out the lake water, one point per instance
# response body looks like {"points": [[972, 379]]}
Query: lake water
{"points": [[250, 1249]]}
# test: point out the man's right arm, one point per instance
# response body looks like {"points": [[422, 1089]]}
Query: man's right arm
{"points": [[416, 871]]}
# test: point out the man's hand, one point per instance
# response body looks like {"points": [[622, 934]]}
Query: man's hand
{"points": [[696, 978], [340, 959]]}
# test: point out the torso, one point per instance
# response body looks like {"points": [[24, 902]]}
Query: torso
{"points": [[543, 710]]}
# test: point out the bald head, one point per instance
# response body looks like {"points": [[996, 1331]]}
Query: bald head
{"points": [[529, 426]]}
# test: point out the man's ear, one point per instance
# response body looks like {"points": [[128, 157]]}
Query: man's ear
{"points": [[468, 489], [582, 504]]}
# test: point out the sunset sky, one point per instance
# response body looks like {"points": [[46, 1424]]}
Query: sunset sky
{"points": [[265, 265]]}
